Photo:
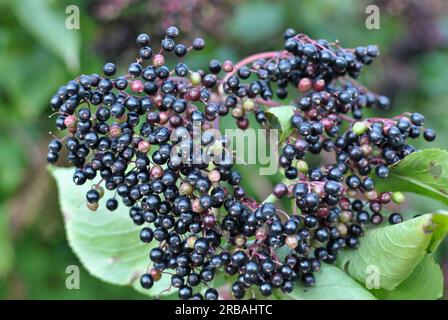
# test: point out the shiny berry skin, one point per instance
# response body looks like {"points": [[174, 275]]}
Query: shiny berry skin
{"points": [[137, 86], [198, 44], [185, 293], [146, 235], [429, 134], [146, 281], [280, 190], [52, 157], [112, 204], [92, 196], [266, 289], [417, 119], [109, 69], [172, 32], [308, 280], [55, 146], [143, 39], [239, 258], [395, 218], [211, 294], [238, 291], [382, 171]]}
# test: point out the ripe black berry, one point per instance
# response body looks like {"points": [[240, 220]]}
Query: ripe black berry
{"points": [[146, 281], [198, 44], [395, 218], [112, 204], [146, 235], [211, 294], [109, 69], [185, 293], [130, 132], [92, 196], [143, 39]]}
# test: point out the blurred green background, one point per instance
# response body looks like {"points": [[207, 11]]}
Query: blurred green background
{"points": [[37, 54]]}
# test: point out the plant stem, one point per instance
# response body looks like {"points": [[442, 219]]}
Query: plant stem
{"points": [[346, 118], [252, 58], [271, 198]]}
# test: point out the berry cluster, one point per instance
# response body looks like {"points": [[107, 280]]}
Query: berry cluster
{"points": [[132, 131]]}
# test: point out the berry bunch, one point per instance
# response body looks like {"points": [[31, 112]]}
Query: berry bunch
{"points": [[132, 131]]}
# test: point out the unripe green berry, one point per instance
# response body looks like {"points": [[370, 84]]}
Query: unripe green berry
{"points": [[191, 241], [195, 78], [359, 128], [186, 188], [302, 166], [398, 197], [248, 105]]}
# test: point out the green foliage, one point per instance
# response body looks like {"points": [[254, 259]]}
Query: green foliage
{"points": [[394, 251], [41, 20], [280, 118], [331, 284], [425, 283], [424, 172]]}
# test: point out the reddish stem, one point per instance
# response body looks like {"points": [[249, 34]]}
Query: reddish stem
{"points": [[346, 118], [252, 58], [268, 103]]}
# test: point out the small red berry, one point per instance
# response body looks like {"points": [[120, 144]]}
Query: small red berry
{"points": [[115, 131], [158, 60], [243, 123], [227, 66], [280, 190], [70, 121], [319, 85], [327, 123], [156, 275], [137, 86], [194, 94], [144, 146], [305, 84], [209, 221]]}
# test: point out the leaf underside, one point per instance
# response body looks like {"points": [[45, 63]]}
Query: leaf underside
{"points": [[107, 243], [394, 251], [424, 172], [425, 283], [280, 118]]}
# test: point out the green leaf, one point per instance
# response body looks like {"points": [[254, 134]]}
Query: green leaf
{"points": [[393, 252], [439, 232], [280, 118], [424, 172], [47, 25], [107, 243], [331, 284], [425, 283]]}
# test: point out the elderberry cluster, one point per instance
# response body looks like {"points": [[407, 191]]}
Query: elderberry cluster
{"points": [[131, 132]]}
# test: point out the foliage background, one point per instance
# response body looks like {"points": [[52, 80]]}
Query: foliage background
{"points": [[37, 54]]}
